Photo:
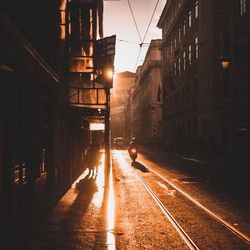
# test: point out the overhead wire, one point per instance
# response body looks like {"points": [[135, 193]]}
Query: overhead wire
{"points": [[134, 20], [150, 21], [125, 41], [145, 35], [131, 42]]}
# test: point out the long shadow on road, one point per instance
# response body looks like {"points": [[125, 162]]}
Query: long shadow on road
{"points": [[140, 166]]}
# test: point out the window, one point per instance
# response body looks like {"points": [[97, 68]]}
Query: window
{"points": [[171, 47], [179, 35], [196, 9], [175, 69], [196, 45], [243, 7], [189, 54], [189, 18], [184, 60], [175, 42], [184, 27]]}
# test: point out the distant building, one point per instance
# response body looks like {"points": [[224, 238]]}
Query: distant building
{"points": [[206, 109], [124, 81], [147, 97]]}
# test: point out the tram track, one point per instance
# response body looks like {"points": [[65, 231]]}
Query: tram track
{"points": [[234, 230], [169, 216], [173, 221]]}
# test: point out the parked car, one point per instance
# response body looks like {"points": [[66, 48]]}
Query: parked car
{"points": [[119, 143]]}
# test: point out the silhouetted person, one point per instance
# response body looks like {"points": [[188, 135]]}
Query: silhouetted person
{"points": [[133, 144], [93, 154]]}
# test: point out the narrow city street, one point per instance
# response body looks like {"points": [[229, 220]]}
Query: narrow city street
{"points": [[148, 205], [124, 124]]}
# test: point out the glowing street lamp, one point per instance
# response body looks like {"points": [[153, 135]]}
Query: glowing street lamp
{"points": [[108, 75], [224, 62]]}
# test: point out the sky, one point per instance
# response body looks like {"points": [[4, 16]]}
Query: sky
{"points": [[118, 21]]}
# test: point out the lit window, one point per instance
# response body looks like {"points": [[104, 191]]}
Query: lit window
{"points": [[179, 35], [189, 18], [243, 7], [184, 60], [189, 54], [196, 44], [175, 42], [196, 9], [184, 27]]}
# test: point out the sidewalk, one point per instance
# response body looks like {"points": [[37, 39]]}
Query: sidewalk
{"points": [[77, 221]]}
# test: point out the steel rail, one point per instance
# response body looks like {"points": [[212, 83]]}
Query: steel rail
{"points": [[169, 216], [209, 212]]}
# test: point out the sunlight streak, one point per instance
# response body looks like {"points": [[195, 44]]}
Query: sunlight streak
{"points": [[98, 196], [120, 157], [111, 214], [82, 176]]}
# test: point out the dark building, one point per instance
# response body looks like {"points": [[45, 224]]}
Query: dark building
{"points": [[206, 108], [42, 136]]}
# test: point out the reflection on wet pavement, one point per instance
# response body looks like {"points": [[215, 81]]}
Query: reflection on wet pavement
{"points": [[84, 218], [111, 214]]}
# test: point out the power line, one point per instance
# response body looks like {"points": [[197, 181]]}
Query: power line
{"points": [[150, 21], [141, 40], [125, 41], [134, 20], [136, 43]]}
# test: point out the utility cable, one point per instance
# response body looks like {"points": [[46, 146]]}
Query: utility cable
{"points": [[125, 41], [141, 40], [134, 20], [150, 21], [131, 42]]}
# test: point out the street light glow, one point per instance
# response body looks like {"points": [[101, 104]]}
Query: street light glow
{"points": [[225, 62], [110, 73]]}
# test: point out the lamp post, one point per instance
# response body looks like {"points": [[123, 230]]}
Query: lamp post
{"points": [[108, 76], [104, 63]]}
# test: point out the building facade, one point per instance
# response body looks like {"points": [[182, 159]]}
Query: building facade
{"points": [[147, 97], [198, 93], [124, 81], [42, 138]]}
